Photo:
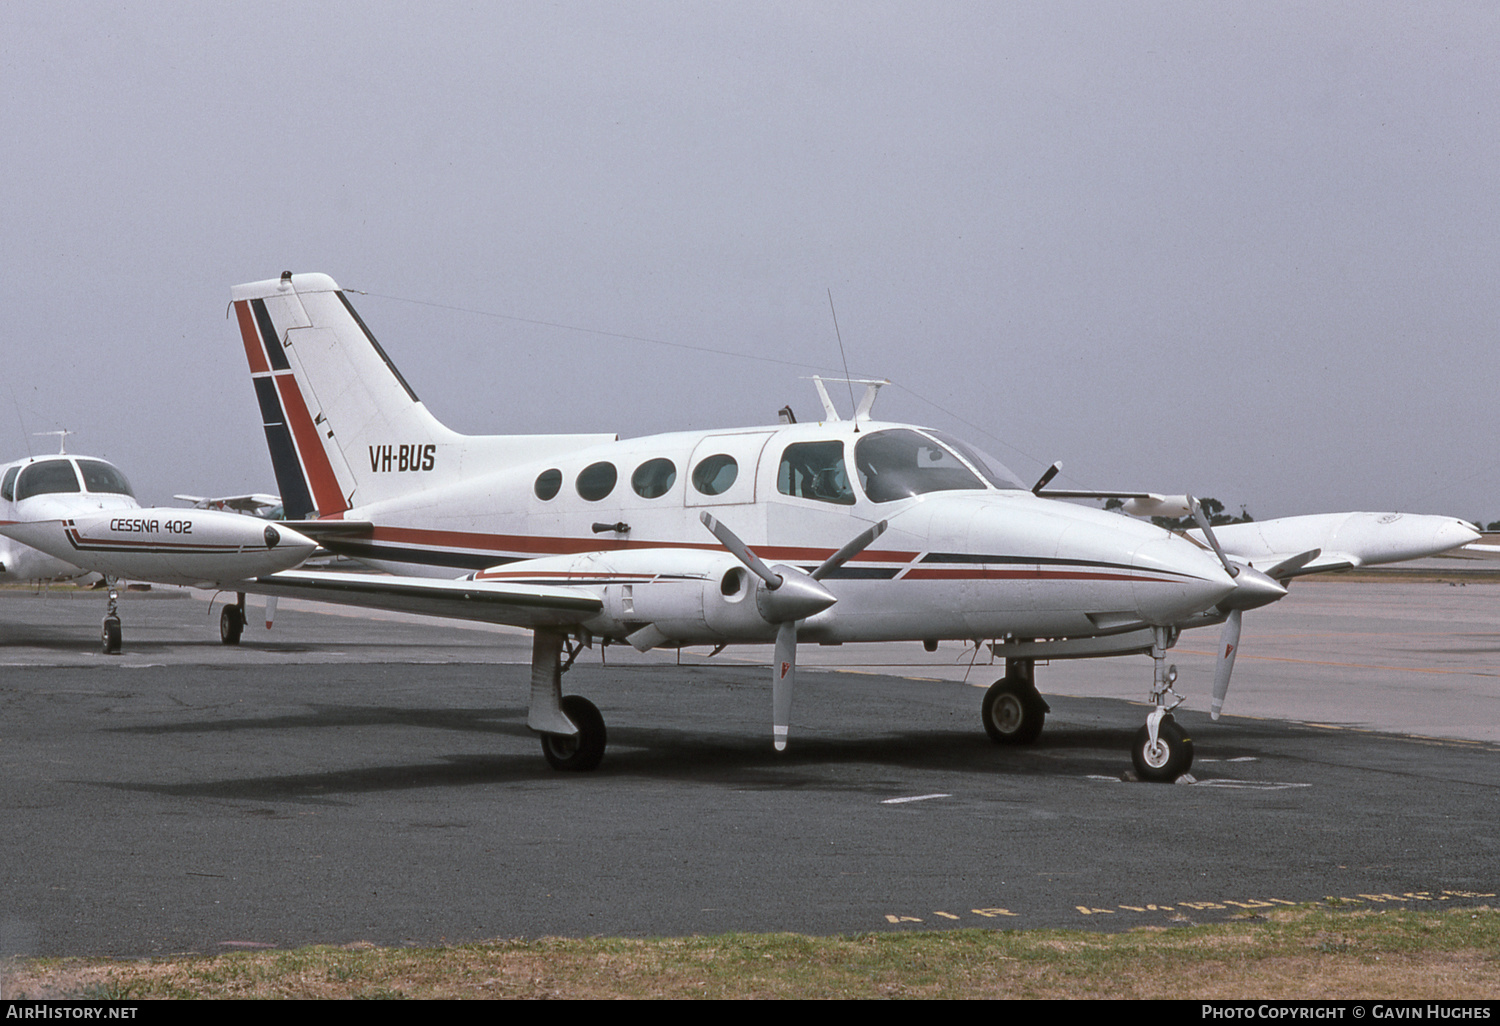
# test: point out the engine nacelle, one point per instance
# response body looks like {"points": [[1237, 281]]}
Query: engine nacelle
{"points": [[686, 596]]}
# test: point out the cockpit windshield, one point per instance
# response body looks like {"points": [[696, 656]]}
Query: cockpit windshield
{"points": [[900, 463], [99, 476], [46, 477], [993, 471]]}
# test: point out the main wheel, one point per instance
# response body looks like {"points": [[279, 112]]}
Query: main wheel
{"points": [[231, 625], [109, 638], [1013, 712], [581, 753], [1166, 760]]}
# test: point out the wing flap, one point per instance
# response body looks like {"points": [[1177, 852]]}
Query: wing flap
{"points": [[511, 604]]}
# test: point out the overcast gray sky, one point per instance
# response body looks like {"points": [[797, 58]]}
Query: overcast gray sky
{"points": [[1243, 249]]}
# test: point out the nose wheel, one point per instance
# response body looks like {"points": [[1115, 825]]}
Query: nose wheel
{"points": [[1162, 755], [109, 636], [1162, 751], [232, 622]]}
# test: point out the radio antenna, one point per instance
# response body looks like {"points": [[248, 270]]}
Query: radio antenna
{"points": [[838, 335]]}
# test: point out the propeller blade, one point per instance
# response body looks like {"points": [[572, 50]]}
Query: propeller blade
{"points": [[849, 551], [1208, 532], [741, 551], [270, 611], [1229, 646], [783, 677], [1288, 568]]}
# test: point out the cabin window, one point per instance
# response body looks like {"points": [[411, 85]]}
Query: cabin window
{"points": [[99, 476], [714, 475], [900, 463], [597, 480], [654, 478], [547, 484], [8, 486], [815, 470], [46, 478]]}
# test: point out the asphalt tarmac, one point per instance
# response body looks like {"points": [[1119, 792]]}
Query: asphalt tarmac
{"points": [[345, 779]]}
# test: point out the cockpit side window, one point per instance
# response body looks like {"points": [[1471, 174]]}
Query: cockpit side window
{"points": [[99, 476], [46, 478], [815, 470], [8, 486], [900, 463]]}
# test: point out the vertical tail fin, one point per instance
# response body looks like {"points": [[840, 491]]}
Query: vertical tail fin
{"points": [[343, 426]]}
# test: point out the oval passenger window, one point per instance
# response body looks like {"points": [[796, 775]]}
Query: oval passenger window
{"points": [[547, 484], [714, 475], [654, 478], [597, 480]]}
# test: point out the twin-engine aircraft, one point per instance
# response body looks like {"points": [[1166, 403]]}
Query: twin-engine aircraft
{"points": [[829, 532], [63, 517]]}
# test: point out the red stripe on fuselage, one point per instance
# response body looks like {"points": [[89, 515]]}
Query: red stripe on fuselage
{"points": [[254, 351], [315, 465], [529, 545]]}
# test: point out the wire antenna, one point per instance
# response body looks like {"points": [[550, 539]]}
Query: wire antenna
{"points": [[839, 335]]}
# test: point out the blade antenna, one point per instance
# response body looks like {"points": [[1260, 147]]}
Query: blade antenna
{"points": [[839, 335]]}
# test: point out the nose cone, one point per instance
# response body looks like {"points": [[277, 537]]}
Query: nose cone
{"points": [[290, 547], [1252, 589], [1177, 579], [1455, 533]]}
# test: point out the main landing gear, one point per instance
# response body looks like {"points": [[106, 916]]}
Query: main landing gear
{"points": [[1013, 714], [232, 621], [1013, 711], [571, 728]]}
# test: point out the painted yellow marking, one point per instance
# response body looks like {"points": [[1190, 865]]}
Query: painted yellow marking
{"points": [[1094, 911], [946, 915], [991, 913], [902, 919]]}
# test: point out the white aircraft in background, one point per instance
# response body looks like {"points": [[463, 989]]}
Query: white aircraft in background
{"points": [[258, 504], [665, 540], [64, 516]]}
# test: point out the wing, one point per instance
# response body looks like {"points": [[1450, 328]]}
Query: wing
{"points": [[1341, 540], [518, 605]]}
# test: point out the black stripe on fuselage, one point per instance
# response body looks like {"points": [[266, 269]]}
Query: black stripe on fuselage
{"points": [[418, 557], [968, 558]]}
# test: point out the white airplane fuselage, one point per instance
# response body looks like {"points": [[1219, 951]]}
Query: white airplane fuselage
{"points": [[64, 516], [971, 562]]}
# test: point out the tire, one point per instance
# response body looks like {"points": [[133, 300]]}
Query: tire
{"points": [[1169, 759], [231, 625], [109, 637], [1013, 712], [584, 752]]}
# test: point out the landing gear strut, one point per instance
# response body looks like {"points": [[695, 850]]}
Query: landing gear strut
{"points": [[1162, 751], [1013, 711], [571, 728]]}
